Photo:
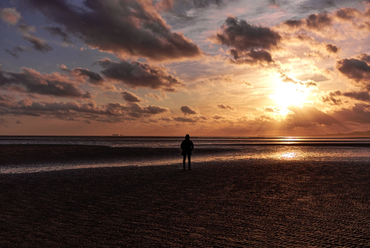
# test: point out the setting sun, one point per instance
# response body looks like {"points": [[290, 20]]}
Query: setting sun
{"points": [[287, 94]]}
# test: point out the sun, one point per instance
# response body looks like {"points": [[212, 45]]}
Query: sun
{"points": [[286, 94]]}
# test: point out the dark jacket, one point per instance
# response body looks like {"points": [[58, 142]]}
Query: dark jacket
{"points": [[187, 147]]}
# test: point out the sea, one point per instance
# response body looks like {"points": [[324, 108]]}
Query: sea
{"points": [[344, 149]]}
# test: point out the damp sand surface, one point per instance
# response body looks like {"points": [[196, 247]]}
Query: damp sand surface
{"points": [[259, 203]]}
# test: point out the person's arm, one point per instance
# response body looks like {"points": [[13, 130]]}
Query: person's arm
{"points": [[192, 145]]}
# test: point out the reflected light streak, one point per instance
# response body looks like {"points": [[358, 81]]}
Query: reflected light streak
{"points": [[289, 155]]}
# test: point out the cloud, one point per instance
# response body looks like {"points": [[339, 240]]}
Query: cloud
{"points": [[185, 119], [17, 49], [249, 43], [244, 36], [330, 98], [38, 44], [221, 106], [130, 97], [10, 15], [317, 23], [137, 111], [155, 96], [24, 28], [325, 24], [31, 81], [309, 116], [136, 74], [188, 111], [90, 76], [74, 111], [251, 57], [124, 28], [57, 31], [357, 95], [185, 5], [356, 69], [332, 48], [186, 8], [360, 113], [287, 79]]}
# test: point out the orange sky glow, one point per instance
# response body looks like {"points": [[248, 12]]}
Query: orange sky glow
{"points": [[171, 67]]}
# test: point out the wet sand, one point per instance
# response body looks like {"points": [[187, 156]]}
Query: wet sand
{"points": [[259, 203]]}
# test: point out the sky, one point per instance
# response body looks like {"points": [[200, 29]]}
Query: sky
{"points": [[172, 67]]}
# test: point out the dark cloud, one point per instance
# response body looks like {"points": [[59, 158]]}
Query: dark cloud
{"points": [[57, 31], [360, 113], [273, 3], [130, 97], [136, 110], [14, 52], [189, 4], [249, 43], [188, 111], [286, 79], [121, 27], [347, 14], [331, 98], [319, 21], [185, 119], [356, 69], [221, 106], [31, 81], [111, 112], [332, 48], [325, 23], [24, 28], [309, 116], [358, 95], [314, 22], [136, 74], [294, 24], [244, 36], [364, 57], [251, 57], [90, 76], [38, 44]]}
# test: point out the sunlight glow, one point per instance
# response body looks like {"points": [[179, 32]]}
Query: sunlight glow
{"points": [[289, 155], [287, 94]]}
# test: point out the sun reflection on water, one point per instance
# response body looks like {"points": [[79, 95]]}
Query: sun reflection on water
{"points": [[289, 155]]}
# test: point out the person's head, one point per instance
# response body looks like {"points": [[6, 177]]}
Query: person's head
{"points": [[187, 137]]}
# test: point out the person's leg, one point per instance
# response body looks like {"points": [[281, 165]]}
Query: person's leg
{"points": [[189, 161], [183, 160]]}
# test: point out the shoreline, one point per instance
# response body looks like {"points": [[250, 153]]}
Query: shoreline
{"points": [[62, 154], [230, 203]]}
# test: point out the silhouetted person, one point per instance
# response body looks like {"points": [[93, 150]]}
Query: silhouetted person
{"points": [[187, 147]]}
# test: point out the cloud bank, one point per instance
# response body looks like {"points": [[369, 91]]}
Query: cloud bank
{"points": [[124, 28]]}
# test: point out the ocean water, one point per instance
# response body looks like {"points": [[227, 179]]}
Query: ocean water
{"points": [[229, 148]]}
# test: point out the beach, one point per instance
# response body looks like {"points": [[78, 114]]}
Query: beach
{"points": [[236, 203]]}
